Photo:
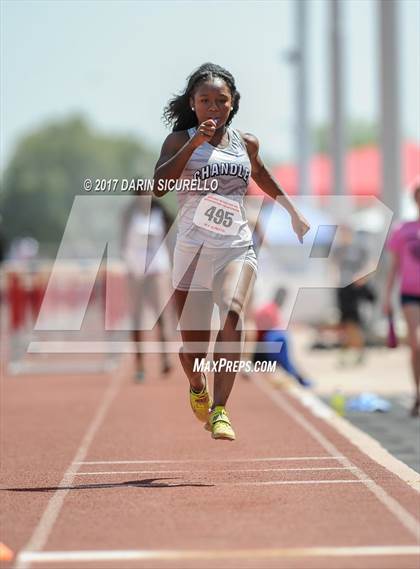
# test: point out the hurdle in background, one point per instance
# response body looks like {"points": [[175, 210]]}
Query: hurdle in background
{"points": [[24, 287]]}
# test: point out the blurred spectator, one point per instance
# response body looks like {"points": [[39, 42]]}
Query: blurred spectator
{"points": [[24, 249], [350, 259], [144, 228], [269, 326], [2, 255], [404, 249], [2, 245]]}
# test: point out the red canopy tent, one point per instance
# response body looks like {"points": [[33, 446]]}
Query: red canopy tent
{"points": [[363, 172]]}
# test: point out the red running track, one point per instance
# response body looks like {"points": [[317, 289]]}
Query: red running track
{"points": [[101, 472]]}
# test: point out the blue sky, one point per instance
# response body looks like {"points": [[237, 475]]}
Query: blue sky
{"points": [[118, 63]]}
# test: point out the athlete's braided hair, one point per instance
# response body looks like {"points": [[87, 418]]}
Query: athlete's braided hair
{"points": [[178, 111]]}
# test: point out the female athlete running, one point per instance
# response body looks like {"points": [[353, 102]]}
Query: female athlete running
{"points": [[214, 259], [404, 247]]}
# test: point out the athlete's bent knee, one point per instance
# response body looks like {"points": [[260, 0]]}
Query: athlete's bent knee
{"points": [[230, 311]]}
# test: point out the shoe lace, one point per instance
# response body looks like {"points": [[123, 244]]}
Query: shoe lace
{"points": [[202, 399], [202, 396], [221, 416]]}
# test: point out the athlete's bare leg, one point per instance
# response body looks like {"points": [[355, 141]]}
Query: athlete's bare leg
{"points": [[233, 287], [136, 299], [412, 317], [157, 290], [194, 310]]}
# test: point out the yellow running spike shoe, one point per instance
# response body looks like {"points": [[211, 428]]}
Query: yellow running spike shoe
{"points": [[219, 424], [201, 403]]}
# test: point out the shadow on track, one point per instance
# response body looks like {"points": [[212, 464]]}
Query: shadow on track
{"points": [[145, 483]]}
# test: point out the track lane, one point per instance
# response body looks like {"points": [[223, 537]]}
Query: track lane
{"points": [[192, 509]]}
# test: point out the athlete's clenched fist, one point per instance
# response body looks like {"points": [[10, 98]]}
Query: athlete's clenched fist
{"points": [[205, 132]]}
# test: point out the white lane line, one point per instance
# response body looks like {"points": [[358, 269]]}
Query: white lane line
{"points": [[209, 472], [205, 460], [205, 554], [405, 518], [43, 530], [158, 484], [280, 482], [366, 443]]}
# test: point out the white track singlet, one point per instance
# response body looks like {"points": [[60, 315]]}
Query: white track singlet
{"points": [[223, 210]]}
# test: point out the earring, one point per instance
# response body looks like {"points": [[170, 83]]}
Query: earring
{"points": [[192, 108], [231, 108]]}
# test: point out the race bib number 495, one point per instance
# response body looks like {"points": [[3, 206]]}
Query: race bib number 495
{"points": [[219, 215]]}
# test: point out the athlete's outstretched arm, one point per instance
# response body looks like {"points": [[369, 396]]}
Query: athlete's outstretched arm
{"points": [[269, 186]]}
